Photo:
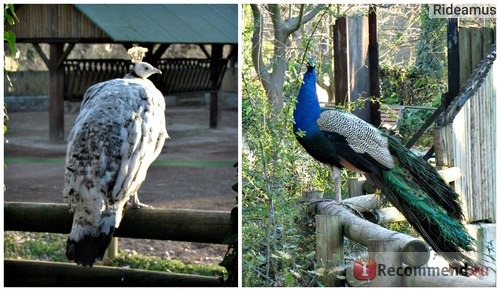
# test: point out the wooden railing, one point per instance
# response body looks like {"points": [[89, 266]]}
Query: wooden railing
{"points": [[162, 224], [179, 76]]}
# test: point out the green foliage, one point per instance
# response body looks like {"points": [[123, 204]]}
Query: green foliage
{"points": [[274, 174], [10, 38], [410, 86], [35, 246], [412, 120], [10, 16], [151, 263]]}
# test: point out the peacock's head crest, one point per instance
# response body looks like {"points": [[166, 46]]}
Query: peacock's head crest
{"points": [[141, 69], [311, 63], [137, 53]]}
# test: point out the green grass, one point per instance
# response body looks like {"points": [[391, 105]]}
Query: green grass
{"points": [[143, 262], [52, 247]]}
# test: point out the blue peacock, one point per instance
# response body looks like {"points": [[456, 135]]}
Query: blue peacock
{"points": [[342, 140]]}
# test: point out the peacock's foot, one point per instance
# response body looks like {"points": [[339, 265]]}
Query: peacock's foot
{"points": [[137, 205]]}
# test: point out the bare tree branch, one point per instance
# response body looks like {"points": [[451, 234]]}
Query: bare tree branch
{"points": [[273, 75], [257, 59], [294, 23]]}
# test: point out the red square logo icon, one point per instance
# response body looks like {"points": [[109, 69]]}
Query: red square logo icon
{"points": [[365, 269]]}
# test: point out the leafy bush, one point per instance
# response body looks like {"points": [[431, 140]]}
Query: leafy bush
{"points": [[410, 86]]}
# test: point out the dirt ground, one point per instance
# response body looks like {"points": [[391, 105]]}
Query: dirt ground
{"points": [[190, 186]]}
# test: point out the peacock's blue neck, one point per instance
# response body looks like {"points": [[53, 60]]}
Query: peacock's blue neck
{"points": [[307, 110]]}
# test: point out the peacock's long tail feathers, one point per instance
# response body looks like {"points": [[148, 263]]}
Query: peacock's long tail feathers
{"points": [[427, 202], [427, 178]]}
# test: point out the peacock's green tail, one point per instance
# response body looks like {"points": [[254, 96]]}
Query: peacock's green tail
{"points": [[428, 203]]}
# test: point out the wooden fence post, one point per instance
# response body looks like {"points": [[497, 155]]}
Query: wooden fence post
{"points": [[111, 252], [329, 247], [387, 257], [355, 186]]}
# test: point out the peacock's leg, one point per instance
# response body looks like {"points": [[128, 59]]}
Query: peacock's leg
{"points": [[136, 203], [336, 179]]}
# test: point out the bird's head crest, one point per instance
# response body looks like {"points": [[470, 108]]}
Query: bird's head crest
{"points": [[311, 63], [137, 53], [141, 69]]}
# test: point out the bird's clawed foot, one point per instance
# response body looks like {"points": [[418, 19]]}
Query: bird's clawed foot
{"points": [[141, 205], [136, 204]]}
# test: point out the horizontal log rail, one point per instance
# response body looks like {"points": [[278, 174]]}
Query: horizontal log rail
{"points": [[414, 251], [25, 273], [163, 224]]}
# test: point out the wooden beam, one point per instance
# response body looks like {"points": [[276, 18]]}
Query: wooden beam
{"points": [[160, 51], [373, 58], [215, 74], [453, 63], [341, 60], [66, 53], [56, 93], [42, 54], [424, 126], [204, 50], [56, 87], [21, 273], [162, 224]]}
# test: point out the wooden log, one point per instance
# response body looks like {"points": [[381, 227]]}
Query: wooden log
{"points": [[386, 255], [329, 246], [111, 252], [360, 230], [384, 215], [163, 224], [310, 196], [355, 186], [364, 202], [450, 174], [369, 188], [21, 273]]}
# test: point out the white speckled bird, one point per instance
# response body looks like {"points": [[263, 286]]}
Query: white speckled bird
{"points": [[119, 132]]}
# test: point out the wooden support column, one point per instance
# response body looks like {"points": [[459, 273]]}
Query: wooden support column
{"points": [[329, 248], [56, 93], [374, 64], [385, 253], [453, 63], [351, 63], [214, 95], [54, 62], [341, 59]]}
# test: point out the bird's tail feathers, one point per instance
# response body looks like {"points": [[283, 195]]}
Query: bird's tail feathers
{"points": [[427, 178], [86, 243], [428, 204]]}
